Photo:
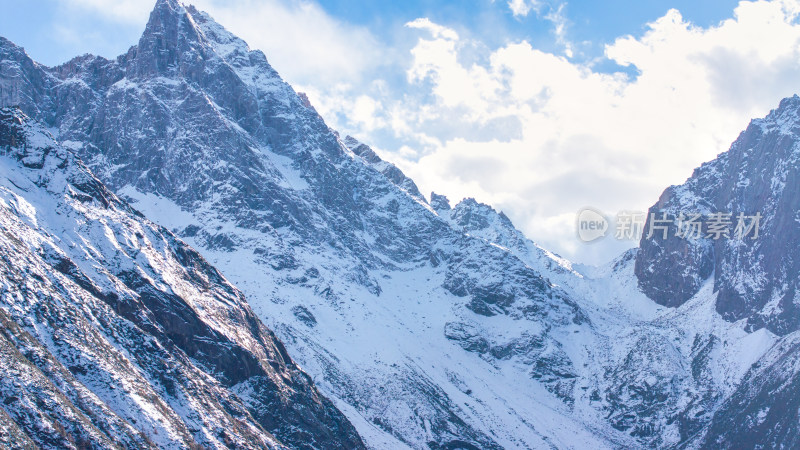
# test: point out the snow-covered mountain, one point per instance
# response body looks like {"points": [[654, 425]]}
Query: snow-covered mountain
{"points": [[364, 282], [754, 279], [115, 334], [428, 326]]}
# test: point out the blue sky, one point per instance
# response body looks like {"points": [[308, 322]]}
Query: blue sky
{"points": [[54, 31], [589, 20], [537, 107]]}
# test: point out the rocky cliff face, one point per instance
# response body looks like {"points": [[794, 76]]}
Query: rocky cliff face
{"points": [[755, 279], [763, 411], [115, 334]]}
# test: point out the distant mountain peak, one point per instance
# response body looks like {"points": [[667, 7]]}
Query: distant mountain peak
{"points": [[785, 118], [440, 203], [170, 38]]}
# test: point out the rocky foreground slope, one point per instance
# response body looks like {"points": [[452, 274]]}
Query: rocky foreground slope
{"points": [[115, 334]]}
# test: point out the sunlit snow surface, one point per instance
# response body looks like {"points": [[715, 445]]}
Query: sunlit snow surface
{"points": [[365, 349]]}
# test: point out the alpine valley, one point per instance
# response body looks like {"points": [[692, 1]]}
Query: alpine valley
{"points": [[191, 258]]}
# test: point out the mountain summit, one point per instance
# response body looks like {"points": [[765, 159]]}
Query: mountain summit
{"points": [[325, 239]]}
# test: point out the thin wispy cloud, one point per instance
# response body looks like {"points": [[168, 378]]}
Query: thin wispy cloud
{"points": [[522, 8]]}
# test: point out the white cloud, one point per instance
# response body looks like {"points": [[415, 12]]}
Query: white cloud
{"points": [[455, 85], [521, 7], [559, 20], [549, 10], [590, 138], [302, 41], [437, 31]]}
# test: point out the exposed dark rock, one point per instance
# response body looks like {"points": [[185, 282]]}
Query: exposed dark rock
{"points": [[756, 279]]}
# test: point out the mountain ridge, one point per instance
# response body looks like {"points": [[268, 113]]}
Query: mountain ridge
{"points": [[429, 326]]}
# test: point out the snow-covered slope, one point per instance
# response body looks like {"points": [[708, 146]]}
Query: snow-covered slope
{"points": [[429, 326], [658, 374], [115, 334]]}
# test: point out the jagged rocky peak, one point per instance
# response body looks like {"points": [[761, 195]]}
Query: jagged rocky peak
{"points": [[170, 41], [473, 216], [22, 81], [362, 150], [785, 119], [756, 278], [306, 102], [481, 220], [179, 40], [440, 203]]}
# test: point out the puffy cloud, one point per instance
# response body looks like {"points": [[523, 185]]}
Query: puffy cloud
{"points": [[608, 140]]}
